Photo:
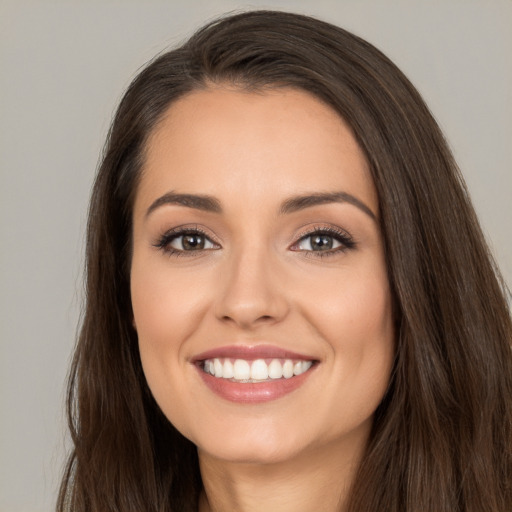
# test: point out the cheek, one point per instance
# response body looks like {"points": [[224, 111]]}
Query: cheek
{"points": [[352, 308], [167, 309], [353, 315], [166, 305]]}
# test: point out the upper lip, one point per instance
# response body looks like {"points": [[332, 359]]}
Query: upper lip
{"points": [[251, 352]]}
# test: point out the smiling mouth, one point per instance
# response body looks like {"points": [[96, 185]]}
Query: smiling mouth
{"points": [[254, 371]]}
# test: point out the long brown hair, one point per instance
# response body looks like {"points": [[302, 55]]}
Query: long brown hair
{"points": [[442, 436]]}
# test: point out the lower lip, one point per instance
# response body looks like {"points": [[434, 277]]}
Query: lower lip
{"points": [[253, 392]]}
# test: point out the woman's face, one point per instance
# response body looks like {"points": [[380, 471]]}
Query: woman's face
{"points": [[258, 281]]}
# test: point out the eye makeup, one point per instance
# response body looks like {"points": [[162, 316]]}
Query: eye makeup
{"points": [[319, 241], [192, 239], [324, 241]]}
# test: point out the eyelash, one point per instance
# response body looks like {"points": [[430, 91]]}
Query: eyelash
{"points": [[163, 243], [345, 240]]}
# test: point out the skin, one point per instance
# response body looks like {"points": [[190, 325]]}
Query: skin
{"points": [[259, 282]]}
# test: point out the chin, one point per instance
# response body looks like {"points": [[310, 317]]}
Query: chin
{"points": [[253, 446], [244, 453]]}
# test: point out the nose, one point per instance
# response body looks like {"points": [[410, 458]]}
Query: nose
{"points": [[251, 293]]}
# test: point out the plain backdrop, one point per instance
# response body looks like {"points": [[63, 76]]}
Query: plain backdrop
{"points": [[63, 68]]}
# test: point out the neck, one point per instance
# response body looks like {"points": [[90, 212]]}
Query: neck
{"points": [[314, 480]]}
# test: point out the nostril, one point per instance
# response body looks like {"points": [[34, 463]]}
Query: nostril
{"points": [[247, 321], [262, 317], [250, 307]]}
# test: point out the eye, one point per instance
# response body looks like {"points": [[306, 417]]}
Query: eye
{"points": [[325, 241], [185, 240], [191, 242], [318, 242]]}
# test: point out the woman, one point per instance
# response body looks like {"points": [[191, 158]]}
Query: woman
{"points": [[290, 303]]}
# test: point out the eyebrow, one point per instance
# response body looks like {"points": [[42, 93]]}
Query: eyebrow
{"points": [[211, 204], [198, 202], [302, 202]]}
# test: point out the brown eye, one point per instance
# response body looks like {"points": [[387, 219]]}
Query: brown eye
{"points": [[321, 242], [191, 242], [324, 242], [318, 242]]}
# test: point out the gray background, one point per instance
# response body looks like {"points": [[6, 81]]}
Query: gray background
{"points": [[63, 67]]}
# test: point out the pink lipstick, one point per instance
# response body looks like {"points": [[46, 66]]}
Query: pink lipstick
{"points": [[253, 374]]}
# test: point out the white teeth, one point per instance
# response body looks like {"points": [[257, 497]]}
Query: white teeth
{"points": [[275, 369], [306, 365], [257, 370], [228, 371], [217, 366], [209, 367], [241, 369], [288, 369]]}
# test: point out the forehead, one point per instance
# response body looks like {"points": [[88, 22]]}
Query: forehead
{"points": [[232, 143]]}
